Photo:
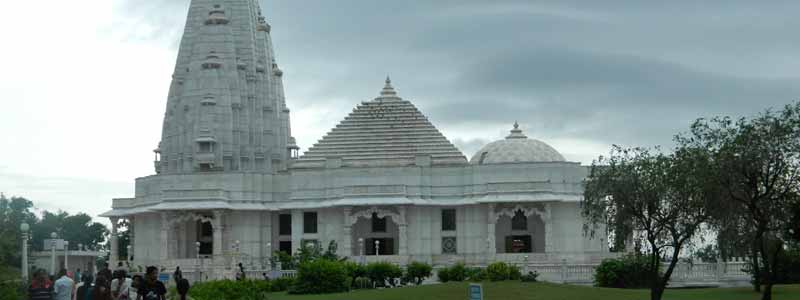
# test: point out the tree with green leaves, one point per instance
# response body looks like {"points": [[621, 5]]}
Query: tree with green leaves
{"points": [[77, 229], [662, 198], [13, 212], [758, 163]]}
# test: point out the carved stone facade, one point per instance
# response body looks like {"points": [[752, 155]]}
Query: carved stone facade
{"points": [[229, 186]]}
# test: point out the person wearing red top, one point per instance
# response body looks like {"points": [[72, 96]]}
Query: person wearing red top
{"points": [[41, 288]]}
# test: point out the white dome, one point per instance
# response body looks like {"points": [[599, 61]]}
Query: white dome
{"points": [[516, 147]]}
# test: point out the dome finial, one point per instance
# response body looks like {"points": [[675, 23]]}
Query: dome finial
{"points": [[516, 133], [388, 90]]}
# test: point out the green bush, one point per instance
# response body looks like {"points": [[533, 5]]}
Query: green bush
{"points": [[355, 270], [630, 271], [530, 277], [11, 290], [362, 283], [380, 272], [281, 284], [417, 272], [230, 290], [787, 268], [320, 276], [475, 274], [443, 274], [457, 272], [497, 271], [514, 273]]}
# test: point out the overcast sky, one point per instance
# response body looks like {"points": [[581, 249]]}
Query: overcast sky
{"points": [[84, 84]]}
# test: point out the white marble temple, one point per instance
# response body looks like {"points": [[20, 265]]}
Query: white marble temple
{"points": [[229, 185]]}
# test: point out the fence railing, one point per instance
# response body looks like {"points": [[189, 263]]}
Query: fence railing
{"points": [[683, 274]]}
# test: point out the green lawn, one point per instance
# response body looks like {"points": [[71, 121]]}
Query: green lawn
{"points": [[511, 290]]}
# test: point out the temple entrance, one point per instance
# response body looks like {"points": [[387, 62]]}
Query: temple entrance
{"points": [[377, 234], [520, 233], [205, 236]]}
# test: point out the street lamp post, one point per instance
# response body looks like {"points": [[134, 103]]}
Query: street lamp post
{"points": [[24, 227], [199, 262], [66, 255], [53, 237]]}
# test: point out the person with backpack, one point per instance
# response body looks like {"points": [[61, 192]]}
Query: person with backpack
{"points": [[151, 288]]}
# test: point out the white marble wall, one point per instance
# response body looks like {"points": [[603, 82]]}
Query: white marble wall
{"points": [[147, 242]]}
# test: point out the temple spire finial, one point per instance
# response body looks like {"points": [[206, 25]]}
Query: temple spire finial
{"points": [[388, 91], [516, 133]]}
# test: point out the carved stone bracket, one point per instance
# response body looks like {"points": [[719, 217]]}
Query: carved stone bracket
{"points": [[526, 210], [399, 219]]}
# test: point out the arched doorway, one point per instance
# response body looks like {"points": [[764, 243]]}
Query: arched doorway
{"points": [[520, 232]]}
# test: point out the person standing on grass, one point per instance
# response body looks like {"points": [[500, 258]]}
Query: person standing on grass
{"points": [[151, 288], [64, 286], [183, 287]]}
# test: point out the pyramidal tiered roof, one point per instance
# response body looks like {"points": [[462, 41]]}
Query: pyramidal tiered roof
{"points": [[387, 131]]}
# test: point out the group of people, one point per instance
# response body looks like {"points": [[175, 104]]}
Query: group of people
{"points": [[106, 285]]}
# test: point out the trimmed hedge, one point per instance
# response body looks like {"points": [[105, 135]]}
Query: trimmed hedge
{"points": [[381, 272], [230, 290], [416, 272], [320, 276], [630, 271]]}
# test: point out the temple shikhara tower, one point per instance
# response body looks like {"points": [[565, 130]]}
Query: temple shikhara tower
{"points": [[384, 184]]}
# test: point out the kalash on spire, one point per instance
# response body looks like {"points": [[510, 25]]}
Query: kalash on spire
{"points": [[384, 181]]}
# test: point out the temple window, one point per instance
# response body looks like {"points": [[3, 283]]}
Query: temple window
{"points": [[285, 247], [519, 221], [378, 224], [285, 225], [448, 219], [310, 222], [205, 147]]}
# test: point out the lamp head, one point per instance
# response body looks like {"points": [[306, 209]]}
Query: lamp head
{"points": [[24, 227], [53, 235]]}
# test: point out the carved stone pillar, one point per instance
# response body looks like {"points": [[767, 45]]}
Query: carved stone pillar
{"points": [[297, 229], [131, 238], [218, 226], [491, 222], [347, 233], [403, 231], [114, 243], [164, 237], [548, 229]]}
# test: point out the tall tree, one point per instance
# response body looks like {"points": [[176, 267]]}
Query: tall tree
{"points": [[662, 197], [13, 212], [759, 169], [77, 229]]}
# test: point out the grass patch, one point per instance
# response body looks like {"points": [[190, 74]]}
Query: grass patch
{"points": [[508, 290]]}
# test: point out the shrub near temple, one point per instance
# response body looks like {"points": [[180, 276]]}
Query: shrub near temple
{"points": [[417, 272], [320, 276], [629, 271], [230, 290], [381, 272]]}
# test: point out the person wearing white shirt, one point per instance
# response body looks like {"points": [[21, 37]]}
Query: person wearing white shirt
{"points": [[121, 286], [64, 286]]}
